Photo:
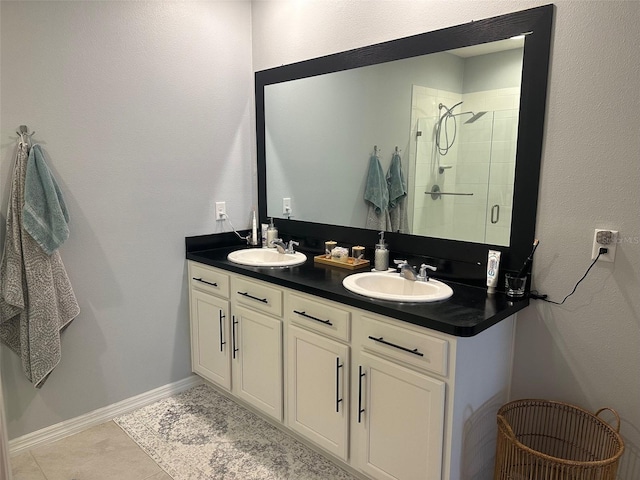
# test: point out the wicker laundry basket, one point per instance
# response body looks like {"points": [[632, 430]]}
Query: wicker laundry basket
{"points": [[546, 440]]}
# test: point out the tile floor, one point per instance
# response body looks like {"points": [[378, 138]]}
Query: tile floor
{"points": [[103, 452]]}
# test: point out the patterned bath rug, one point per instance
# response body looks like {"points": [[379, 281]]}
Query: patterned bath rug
{"points": [[202, 435]]}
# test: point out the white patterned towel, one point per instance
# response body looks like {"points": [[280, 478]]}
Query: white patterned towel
{"points": [[36, 298]]}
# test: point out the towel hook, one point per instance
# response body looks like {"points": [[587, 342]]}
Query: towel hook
{"points": [[23, 131]]}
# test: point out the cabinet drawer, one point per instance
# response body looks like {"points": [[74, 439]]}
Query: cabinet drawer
{"points": [[319, 316], [257, 296], [415, 348], [208, 279]]}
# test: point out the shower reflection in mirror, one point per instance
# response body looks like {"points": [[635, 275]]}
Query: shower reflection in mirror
{"points": [[462, 163]]}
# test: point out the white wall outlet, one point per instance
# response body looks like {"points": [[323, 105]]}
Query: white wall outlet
{"points": [[221, 210], [604, 239], [286, 206]]}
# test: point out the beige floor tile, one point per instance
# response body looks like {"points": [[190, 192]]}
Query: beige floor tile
{"points": [[159, 476], [24, 467], [103, 452]]}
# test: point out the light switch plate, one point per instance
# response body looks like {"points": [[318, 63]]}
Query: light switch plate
{"points": [[221, 210], [286, 206]]}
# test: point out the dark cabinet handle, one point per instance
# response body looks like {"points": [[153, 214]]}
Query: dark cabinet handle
{"points": [[306, 315], [360, 409], [222, 342], [245, 294], [404, 349], [233, 335], [338, 399], [204, 281]]}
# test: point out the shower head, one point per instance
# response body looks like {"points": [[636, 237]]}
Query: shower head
{"points": [[475, 117]]}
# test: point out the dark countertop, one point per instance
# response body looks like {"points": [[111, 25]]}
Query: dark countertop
{"points": [[468, 312]]}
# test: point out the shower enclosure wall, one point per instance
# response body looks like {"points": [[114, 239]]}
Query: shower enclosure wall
{"points": [[462, 186]]}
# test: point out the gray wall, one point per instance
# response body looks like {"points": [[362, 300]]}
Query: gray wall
{"points": [[144, 110], [586, 351], [493, 70]]}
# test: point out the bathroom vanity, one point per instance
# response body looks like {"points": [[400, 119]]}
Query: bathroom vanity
{"points": [[393, 391]]}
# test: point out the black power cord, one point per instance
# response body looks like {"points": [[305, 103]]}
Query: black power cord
{"points": [[536, 296]]}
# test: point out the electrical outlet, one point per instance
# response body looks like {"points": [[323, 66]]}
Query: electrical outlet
{"points": [[221, 210], [286, 206], [604, 239]]}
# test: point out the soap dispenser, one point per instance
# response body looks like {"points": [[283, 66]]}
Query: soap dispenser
{"points": [[381, 262], [272, 234]]}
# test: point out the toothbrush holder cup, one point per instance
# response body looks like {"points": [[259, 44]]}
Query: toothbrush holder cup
{"points": [[515, 285]]}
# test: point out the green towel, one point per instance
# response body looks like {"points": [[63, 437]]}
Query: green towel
{"points": [[395, 181], [398, 217], [376, 191], [45, 215]]}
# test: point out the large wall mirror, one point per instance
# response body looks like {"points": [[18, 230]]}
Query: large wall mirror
{"points": [[457, 114]]}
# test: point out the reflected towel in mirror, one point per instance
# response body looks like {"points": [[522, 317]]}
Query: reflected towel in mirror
{"points": [[376, 194], [397, 188]]}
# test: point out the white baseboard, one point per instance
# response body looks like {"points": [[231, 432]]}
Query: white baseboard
{"points": [[96, 417]]}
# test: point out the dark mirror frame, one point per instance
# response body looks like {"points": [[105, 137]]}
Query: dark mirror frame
{"points": [[537, 23]]}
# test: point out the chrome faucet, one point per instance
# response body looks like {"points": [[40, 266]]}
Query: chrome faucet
{"points": [[408, 272], [280, 245], [283, 247]]}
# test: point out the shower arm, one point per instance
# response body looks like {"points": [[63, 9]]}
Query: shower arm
{"points": [[462, 113]]}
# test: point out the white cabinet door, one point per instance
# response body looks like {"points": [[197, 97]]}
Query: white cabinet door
{"points": [[257, 360], [399, 418], [210, 346], [318, 389]]}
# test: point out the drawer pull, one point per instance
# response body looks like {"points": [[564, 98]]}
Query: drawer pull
{"points": [[404, 349], [233, 335], [338, 399], [360, 409], [245, 294], [306, 315], [222, 342], [205, 282]]}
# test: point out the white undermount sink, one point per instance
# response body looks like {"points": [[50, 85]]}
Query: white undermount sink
{"points": [[394, 288], [266, 257]]}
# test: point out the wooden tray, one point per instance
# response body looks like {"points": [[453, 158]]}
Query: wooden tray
{"points": [[350, 264]]}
